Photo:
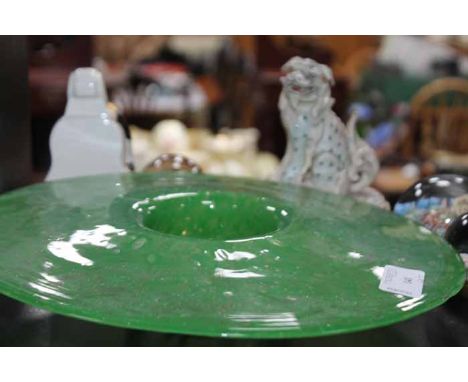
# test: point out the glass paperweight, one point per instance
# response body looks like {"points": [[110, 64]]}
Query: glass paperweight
{"points": [[173, 162], [457, 235], [435, 201]]}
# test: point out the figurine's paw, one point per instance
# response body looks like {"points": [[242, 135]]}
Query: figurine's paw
{"points": [[372, 196]]}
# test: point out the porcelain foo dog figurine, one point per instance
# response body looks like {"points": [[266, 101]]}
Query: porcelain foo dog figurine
{"points": [[322, 152]]}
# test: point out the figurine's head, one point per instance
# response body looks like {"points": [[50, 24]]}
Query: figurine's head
{"points": [[86, 94], [86, 83], [306, 81]]}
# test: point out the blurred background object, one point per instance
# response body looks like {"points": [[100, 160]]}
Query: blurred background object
{"points": [[231, 152], [440, 115]]}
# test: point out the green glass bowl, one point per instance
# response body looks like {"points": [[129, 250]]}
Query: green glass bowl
{"points": [[214, 256]]}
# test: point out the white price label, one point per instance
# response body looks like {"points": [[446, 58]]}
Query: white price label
{"points": [[404, 281]]}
